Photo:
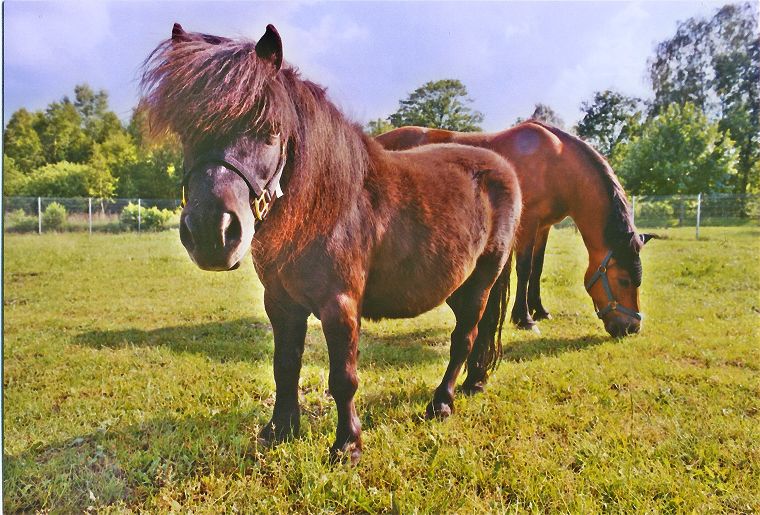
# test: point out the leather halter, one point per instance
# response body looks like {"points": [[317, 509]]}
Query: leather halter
{"points": [[612, 304], [265, 190]]}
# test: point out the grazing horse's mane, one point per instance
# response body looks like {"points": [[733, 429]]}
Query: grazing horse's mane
{"points": [[211, 91], [619, 229]]}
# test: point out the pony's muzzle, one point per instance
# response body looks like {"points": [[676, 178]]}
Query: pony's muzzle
{"points": [[213, 245]]}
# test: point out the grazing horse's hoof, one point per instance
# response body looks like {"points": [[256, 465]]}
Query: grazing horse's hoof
{"points": [[349, 452], [528, 325], [439, 410], [472, 388], [542, 315]]}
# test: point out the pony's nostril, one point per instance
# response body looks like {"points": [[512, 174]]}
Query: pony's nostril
{"points": [[186, 233], [231, 230]]}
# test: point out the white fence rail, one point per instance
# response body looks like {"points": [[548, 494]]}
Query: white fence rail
{"points": [[45, 214], [35, 214]]}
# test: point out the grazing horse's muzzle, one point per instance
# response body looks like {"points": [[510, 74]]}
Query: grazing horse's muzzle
{"points": [[622, 326]]}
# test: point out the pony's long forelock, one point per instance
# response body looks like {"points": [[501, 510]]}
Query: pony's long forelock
{"points": [[199, 89], [211, 92]]}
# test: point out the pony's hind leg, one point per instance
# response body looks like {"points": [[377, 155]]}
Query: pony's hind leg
{"points": [[535, 305], [485, 350], [468, 303]]}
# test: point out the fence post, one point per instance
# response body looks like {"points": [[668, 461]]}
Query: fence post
{"points": [[89, 213], [139, 215], [699, 211], [633, 208], [39, 215]]}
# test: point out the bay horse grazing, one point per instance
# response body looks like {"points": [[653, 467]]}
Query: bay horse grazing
{"points": [[560, 175], [338, 226]]}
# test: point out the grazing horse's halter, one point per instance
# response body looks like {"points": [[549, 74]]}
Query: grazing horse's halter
{"points": [[265, 190], [612, 304]]}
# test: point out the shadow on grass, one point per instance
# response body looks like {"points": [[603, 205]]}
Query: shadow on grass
{"points": [[250, 339], [531, 347]]}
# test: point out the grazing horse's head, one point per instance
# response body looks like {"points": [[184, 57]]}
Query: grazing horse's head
{"points": [[217, 95], [613, 279]]}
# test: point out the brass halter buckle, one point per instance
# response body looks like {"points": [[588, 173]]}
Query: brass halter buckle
{"points": [[262, 205]]}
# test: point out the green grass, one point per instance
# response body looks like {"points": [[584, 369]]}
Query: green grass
{"points": [[135, 382]]}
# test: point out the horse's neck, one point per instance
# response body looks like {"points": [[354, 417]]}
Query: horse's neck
{"points": [[590, 211]]}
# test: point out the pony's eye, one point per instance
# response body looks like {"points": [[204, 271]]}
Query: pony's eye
{"points": [[624, 283]]}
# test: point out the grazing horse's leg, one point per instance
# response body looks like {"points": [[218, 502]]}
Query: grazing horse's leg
{"points": [[524, 254], [289, 327], [341, 323], [468, 303], [535, 306]]}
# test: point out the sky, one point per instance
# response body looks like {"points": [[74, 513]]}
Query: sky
{"points": [[370, 55]]}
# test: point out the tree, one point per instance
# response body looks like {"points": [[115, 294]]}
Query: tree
{"points": [[439, 104], [609, 119], [21, 142], [544, 113], [679, 151], [97, 121], [117, 157], [60, 131], [715, 64], [378, 126], [66, 179], [14, 179]]}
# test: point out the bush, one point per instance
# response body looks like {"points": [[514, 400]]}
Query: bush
{"points": [[19, 221], [150, 218], [54, 217]]}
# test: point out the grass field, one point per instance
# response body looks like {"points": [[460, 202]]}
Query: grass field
{"points": [[135, 382]]}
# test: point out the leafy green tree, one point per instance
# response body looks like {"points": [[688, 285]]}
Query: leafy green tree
{"points": [[117, 156], [378, 126], [66, 179], [609, 119], [61, 134], [678, 151], [158, 171], [21, 141], [97, 121], [438, 104], [715, 64], [13, 178]]}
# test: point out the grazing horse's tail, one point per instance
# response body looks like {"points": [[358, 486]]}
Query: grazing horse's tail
{"points": [[487, 348]]}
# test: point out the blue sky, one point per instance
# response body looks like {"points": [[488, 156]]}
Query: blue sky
{"points": [[510, 55]]}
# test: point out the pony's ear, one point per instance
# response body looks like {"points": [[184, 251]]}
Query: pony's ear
{"points": [[645, 237], [269, 47], [178, 34]]}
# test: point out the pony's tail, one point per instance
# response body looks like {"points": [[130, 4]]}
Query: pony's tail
{"points": [[487, 349]]}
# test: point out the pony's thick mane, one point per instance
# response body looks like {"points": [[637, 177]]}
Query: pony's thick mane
{"points": [[212, 92], [619, 229]]}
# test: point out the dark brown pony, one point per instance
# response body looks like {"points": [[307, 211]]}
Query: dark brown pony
{"points": [[560, 175], [359, 232]]}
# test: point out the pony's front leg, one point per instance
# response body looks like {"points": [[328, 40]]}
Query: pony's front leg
{"points": [[289, 327], [341, 322]]}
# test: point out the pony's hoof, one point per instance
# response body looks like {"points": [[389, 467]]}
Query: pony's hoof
{"points": [[438, 410], [472, 388], [349, 452], [542, 315], [271, 434]]}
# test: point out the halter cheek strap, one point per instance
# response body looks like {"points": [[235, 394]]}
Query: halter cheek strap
{"points": [[265, 190], [612, 304]]}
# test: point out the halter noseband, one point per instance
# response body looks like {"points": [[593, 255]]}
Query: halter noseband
{"points": [[265, 190], [612, 304]]}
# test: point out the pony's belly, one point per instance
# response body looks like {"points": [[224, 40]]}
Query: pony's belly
{"points": [[409, 290]]}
